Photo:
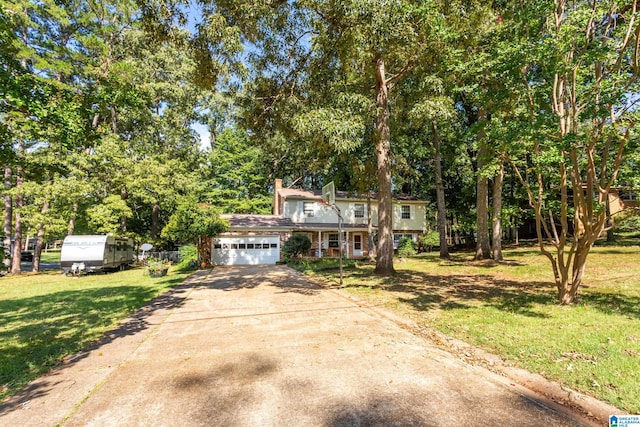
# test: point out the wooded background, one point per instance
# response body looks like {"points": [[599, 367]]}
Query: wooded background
{"points": [[496, 113]]}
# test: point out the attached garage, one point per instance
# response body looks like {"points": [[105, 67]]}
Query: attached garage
{"points": [[246, 250]]}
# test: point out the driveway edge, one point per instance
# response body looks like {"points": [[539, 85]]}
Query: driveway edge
{"points": [[557, 393], [56, 395]]}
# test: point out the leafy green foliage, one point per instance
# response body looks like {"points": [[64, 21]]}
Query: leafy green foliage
{"points": [[429, 240], [297, 246], [106, 217], [104, 111], [339, 128], [572, 122], [407, 247], [192, 220], [630, 224], [236, 178], [157, 267], [188, 257]]}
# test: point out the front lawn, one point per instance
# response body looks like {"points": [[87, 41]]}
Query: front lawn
{"points": [[50, 256], [510, 309], [45, 317]]}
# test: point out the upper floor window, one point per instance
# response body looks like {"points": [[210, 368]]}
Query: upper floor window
{"points": [[308, 208], [628, 196], [358, 210], [405, 211]]}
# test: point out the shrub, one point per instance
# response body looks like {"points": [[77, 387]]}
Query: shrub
{"points": [[157, 267], [407, 247], [296, 246], [429, 240], [629, 224], [188, 257]]}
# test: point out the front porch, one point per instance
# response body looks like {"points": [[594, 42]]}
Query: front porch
{"points": [[325, 243]]}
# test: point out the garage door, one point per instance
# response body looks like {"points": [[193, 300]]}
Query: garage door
{"points": [[246, 250]]}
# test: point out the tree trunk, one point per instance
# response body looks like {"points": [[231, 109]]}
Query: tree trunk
{"points": [[155, 220], [17, 230], [123, 219], [204, 251], [371, 241], [570, 277], [40, 239], [483, 249], [496, 224], [609, 221], [114, 120], [8, 218], [384, 258], [442, 209], [72, 221]]}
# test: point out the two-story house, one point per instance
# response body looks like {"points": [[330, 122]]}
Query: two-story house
{"points": [[258, 239]]}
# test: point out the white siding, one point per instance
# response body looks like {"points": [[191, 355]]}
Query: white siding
{"points": [[417, 220], [294, 209]]}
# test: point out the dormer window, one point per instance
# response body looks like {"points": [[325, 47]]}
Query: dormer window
{"points": [[308, 208]]}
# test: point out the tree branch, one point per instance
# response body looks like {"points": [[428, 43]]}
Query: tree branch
{"points": [[390, 82]]}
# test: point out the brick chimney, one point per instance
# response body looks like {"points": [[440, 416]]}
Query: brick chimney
{"points": [[277, 186]]}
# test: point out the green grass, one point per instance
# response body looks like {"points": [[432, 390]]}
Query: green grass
{"points": [[45, 317], [510, 309], [50, 256]]}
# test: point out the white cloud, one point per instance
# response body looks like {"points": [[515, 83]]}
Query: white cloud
{"points": [[205, 136]]}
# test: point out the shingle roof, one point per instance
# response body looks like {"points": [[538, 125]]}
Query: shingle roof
{"points": [[296, 193], [257, 221], [334, 225], [273, 221]]}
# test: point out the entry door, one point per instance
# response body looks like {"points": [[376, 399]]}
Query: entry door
{"points": [[357, 244]]}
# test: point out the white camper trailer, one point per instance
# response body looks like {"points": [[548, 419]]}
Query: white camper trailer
{"points": [[94, 253]]}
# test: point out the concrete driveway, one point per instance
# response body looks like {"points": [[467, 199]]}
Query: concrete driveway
{"points": [[261, 346]]}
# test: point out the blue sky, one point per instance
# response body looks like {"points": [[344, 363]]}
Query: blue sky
{"points": [[205, 136], [193, 16]]}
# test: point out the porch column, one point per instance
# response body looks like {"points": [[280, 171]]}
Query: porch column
{"points": [[347, 244], [319, 244]]}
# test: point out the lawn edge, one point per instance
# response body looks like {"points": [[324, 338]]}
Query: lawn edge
{"points": [[23, 399]]}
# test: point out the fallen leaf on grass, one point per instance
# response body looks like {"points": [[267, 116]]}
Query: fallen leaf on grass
{"points": [[576, 355]]}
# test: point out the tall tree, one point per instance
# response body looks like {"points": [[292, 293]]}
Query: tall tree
{"points": [[347, 49], [429, 118], [577, 89], [237, 178], [440, 194], [40, 108], [483, 248], [496, 223]]}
